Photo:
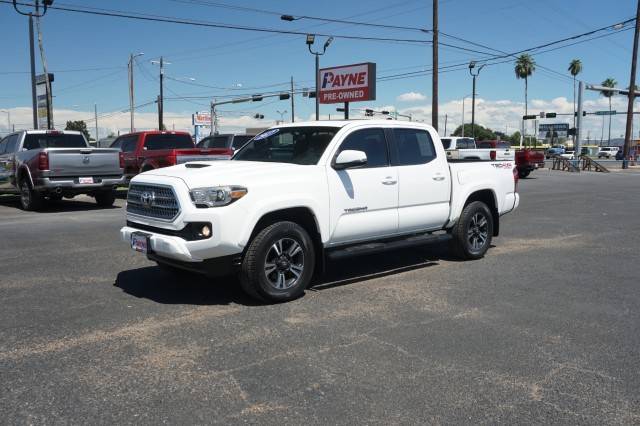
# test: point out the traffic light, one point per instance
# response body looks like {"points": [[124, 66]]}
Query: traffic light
{"points": [[256, 98], [258, 116], [312, 94], [340, 109], [571, 131], [368, 112], [550, 115], [584, 113], [529, 117], [284, 96]]}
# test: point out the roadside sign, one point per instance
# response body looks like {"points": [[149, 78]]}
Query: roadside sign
{"points": [[348, 83], [605, 112], [553, 131], [45, 113], [201, 119]]}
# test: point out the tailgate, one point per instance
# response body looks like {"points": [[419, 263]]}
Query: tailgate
{"points": [[204, 154], [84, 162]]}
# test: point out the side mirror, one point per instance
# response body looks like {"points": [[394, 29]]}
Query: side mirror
{"points": [[350, 158]]}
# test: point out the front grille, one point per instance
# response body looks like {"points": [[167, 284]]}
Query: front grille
{"points": [[153, 201]]}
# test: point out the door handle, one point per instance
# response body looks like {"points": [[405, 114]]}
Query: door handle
{"points": [[438, 178], [389, 181]]}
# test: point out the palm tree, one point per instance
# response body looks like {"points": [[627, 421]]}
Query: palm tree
{"points": [[525, 66], [609, 82], [575, 68]]}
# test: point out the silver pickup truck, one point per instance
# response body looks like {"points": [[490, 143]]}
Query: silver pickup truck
{"points": [[43, 165]]}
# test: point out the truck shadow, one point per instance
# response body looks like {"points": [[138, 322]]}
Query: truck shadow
{"points": [[62, 206], [192, 289]]}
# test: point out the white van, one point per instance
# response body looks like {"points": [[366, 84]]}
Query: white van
{"points": [[608, 152]]}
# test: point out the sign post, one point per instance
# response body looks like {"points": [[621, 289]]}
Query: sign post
{"points": [[348, 83], [43, 94], [202, 123]]}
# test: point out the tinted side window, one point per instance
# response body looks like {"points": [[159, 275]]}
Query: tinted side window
{"points": [[129, 143], [239, 141], [372, 142], [117, 143], [446, 143], [168, 141], [3, 145], [414, 146], [12, 144]]}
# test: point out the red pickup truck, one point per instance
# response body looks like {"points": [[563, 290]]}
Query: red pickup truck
{"points": [[528, 160], [143, 151]]}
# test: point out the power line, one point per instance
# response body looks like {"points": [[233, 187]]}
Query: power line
{"points": [[181, 21]]}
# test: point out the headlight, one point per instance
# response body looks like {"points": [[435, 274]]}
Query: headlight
{"points": [[217, 196]]}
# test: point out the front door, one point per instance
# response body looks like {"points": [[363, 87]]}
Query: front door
{"points": [[364, 200]]}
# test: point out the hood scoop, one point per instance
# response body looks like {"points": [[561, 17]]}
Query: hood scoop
{"points": [[196, 165]]}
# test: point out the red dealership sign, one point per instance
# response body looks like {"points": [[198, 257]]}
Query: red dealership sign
{"points": [[348, 83]]}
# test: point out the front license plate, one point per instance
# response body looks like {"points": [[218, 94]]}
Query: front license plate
{"points": [[85, 180], [140, 242]]}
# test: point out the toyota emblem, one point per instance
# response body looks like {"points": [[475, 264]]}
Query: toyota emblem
{"points": [[147, 198]]}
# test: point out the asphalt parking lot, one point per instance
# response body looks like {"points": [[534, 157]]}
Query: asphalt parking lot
{"points": [[544, 329]]}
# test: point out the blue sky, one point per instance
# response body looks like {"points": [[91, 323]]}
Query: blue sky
{"points": [[225, 58]]}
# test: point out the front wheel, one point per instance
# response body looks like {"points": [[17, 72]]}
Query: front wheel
{"points": [[473, 232], [30, 199], [523, 173], [105, 198], [279, 263]]}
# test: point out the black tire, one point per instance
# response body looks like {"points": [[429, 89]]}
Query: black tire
{"points": [[278, 264], [523, 173], [105, 198], [470, 229], [30, 200]]}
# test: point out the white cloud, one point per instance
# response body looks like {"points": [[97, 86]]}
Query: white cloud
{"points": [[411, 97]]}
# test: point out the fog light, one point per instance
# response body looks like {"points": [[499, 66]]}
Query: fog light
{"points": [[205, 231]]}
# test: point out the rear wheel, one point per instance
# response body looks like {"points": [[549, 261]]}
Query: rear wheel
{"points": [[523, 173], [279, 263], [105, 198], [473, 232], [30, 199]]}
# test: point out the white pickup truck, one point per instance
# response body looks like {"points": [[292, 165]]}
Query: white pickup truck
{"points": [[462, 148], [300, 193]]}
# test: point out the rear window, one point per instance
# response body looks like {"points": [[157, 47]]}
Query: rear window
{"points": [[214, 142], [53, 140], [446, 143], [240, 140], [168, 141]]}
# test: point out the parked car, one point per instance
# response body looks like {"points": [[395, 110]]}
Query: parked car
{"points": [[463, 148], [608, 152], [303, 192], [502, 148], [230, 141], [554, 150], [43, 165], [569, 155], [151, 150], [528, 160]]}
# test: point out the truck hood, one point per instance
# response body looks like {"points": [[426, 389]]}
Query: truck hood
{"points": [[199, 174]]}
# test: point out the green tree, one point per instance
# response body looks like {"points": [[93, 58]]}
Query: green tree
{"points": [[575, 68], [482, 133], [609, 82], [515, 138], [79, 126], [524, 68]]}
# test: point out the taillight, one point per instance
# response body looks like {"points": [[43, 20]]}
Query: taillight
{"points": [[516, 178], [492, 155], [43, 161], [121, 158]]}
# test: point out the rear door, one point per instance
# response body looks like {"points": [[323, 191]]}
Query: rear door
{"points": [[364, 200], [424, 181], [129, 147], [5, 164]]}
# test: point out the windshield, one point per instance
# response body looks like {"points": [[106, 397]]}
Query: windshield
{"points": [[168, 141], [296, 145], [53, 140], [446, 143]]}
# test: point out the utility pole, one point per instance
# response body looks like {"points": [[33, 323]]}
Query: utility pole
{"points": [[131, 91], [445, 124], [472, 65], [293, 106], [434, 81], [578, 140], [33, 70], [95, 112], [632, 92], [161, 103]]}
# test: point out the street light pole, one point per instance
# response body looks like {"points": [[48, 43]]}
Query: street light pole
{"points": [[472, 65], [434, 80], [161, 96], [311, 38]]}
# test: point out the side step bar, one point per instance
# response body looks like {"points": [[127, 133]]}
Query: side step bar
{"points": [[377, 247]]}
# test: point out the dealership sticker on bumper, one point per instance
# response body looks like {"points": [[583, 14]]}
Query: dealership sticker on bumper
{"points": [[85, 180], [140, 242]]}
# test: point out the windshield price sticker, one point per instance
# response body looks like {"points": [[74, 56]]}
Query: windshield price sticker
{"points": [[266, 134]]}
